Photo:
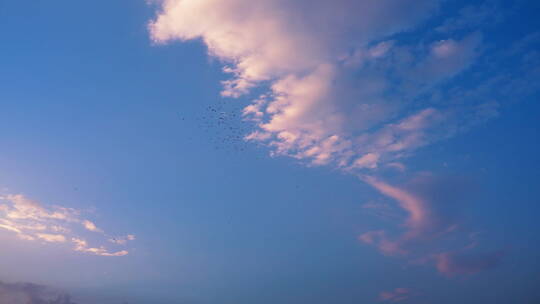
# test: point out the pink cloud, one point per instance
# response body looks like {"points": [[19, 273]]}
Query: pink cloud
{"points": [[384, 244], [432, 206], [465, 262], [315, 109], [449, 57], [415, 206], [397, 165]]}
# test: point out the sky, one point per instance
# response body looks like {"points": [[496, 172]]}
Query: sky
{"points": [[271, 151]]}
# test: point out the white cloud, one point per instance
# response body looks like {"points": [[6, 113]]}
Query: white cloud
{"points": [[339, 84], [24, 208], [91, 226], [318, 107], [52, 238], [30, 220], [82, 246]]}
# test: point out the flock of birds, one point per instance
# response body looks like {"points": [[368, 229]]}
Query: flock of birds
{"points": [[223, 126]]}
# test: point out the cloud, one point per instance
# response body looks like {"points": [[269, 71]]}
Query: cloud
{"points": [[28, 293], [334, 103], [417, 208], [397, 166], [82, 246], [340, 85], [52, 238], [360, 86], [383, 243], [434, 208], [91, 226], [466, 263], [396, 295], [24, 208], [367, 161], [30, 220]]}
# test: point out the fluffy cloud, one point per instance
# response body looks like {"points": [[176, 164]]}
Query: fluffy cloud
{"points": [[329, 98], [27, 293], [91, 226], [32, 221], [339, 85]]}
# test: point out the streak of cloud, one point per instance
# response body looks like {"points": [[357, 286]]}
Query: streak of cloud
{"points": [[434, 207], [30, 220], [466, 263]]}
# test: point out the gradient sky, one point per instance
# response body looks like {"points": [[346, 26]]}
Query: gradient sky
{"points": [[272, 151]]}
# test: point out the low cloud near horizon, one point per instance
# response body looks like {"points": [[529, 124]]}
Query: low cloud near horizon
{"points": [[28, 293]]}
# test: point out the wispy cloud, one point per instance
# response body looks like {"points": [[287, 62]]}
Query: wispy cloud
{"points": [[466, 263], [433, 207], [32, 221], [82, 246], [52, 238], [396, 295]]}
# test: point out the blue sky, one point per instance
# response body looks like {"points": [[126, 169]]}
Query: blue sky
{"points": [[208, 151]]}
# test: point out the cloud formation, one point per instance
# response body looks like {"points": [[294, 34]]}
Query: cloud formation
{"points": [[28, 293], [466, 263], [433, 208], [307, 53], [341, 89], [32, 221], [345, 84]]}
